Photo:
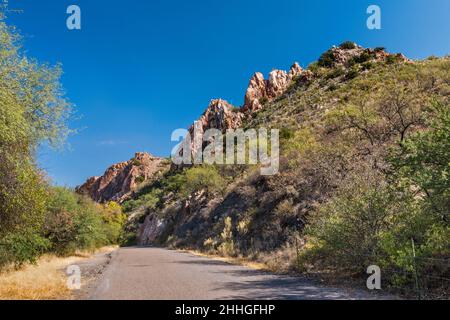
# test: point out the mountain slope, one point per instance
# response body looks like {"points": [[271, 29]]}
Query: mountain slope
{"points": [[347, 195]]}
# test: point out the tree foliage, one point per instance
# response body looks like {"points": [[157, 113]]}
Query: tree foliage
{"points": [[33, 110]]}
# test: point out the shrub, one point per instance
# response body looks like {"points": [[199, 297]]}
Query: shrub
{"points": [[203, 178], [139, 180], [147, 200], [243, 226], [392, 59], [210, 244], [368, 65], [114, 221], [302, 142], [264, 100], [347, 45], [174, 183], [21, 248], [326, 59], [363, 57], [352, 74], [423, 160], [375, 219], [346, 232], [337, 72], [314, 67], [286, 133], [226, 248], [74, 222], [285, 208], [136, 162]]}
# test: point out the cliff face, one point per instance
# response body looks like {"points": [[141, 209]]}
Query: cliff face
{"points": [[120, 180]]}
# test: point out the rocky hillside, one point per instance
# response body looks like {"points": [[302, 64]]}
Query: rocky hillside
{"points": [[363, 172], [122, 179], [193, 215]]}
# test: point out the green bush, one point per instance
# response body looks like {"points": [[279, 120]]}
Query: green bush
{"points": [[334, 73], [352, 73], [139, 180], [203, 178], [21, 248], [326, 59], [314, 67], [286, 133], [346, 231], [363, 57], [423, 160], [264, 100], [148, 200], [368, 65], [77, 223], [347, 45]]}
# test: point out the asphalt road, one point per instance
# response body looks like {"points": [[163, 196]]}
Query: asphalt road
{"points": [[143, 273]]}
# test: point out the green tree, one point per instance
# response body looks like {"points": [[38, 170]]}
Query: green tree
{"points": [[423, 161], [33, 110]]}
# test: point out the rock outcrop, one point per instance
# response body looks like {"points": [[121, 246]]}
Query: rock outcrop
{"points": [[219, 115], [342, 56], [260, 89], [150, 230], [120, 180], [222, 116]]}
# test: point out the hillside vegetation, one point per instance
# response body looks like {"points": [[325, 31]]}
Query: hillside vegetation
{"points": [[364, 180]]}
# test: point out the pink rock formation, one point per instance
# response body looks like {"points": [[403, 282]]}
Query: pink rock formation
{"points": [[260, 89], [121, 179]]}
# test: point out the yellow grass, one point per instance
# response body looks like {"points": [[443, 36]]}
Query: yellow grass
{"points": [[44, 281]]}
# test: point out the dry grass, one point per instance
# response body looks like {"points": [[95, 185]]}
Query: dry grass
{"points": [[44, 281]]}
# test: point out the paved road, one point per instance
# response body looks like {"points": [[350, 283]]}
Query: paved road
{"points": [[153, 273]]}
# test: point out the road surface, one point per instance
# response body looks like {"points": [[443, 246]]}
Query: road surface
{"points": [[144, 273]]}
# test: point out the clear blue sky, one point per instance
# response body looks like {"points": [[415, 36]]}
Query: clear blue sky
{"points": [[140, 69]]}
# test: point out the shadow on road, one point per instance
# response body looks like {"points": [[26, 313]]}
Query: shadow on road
{"points": [[247, 284]]}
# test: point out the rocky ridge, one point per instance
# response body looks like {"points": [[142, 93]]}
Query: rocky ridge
{"points": [[121, 179]]}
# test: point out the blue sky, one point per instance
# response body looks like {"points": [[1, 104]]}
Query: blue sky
{"points": [[140, 69]]}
